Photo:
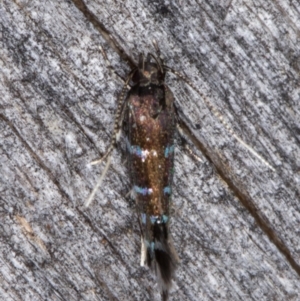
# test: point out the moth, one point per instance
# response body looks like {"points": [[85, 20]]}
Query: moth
{"points": [[150, 117]]}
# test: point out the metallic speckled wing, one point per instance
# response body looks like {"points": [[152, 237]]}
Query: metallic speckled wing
{"points": [[150, 144]]}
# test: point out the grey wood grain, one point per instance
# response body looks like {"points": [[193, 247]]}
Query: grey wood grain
{"points": [[235, 222]]}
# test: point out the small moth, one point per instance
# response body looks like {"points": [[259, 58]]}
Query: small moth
{"points": [[150, 122], [149, 117]]}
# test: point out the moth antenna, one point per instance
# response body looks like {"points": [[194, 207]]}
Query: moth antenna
{"points": [[158, 62], [141, 65], [219, 116], [154, 42], [159, 55], [119, 116], [92, 195]]}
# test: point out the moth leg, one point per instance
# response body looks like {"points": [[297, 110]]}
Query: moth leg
{"points": [[158, 53], [99, 182], [143, 252]]}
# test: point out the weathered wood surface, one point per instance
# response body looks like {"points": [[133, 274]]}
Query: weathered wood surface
{"points": [[235, 223]]}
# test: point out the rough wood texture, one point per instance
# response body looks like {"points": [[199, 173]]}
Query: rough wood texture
{"points": [[235, 222]]}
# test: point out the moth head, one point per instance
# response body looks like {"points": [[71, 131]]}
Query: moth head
{"points": [[149, 71]]}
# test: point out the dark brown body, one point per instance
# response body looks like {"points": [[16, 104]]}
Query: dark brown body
{"points": [[150, 129], [151, 147]]}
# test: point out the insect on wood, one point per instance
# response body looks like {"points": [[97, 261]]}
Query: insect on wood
{"points": [[150, 117]]}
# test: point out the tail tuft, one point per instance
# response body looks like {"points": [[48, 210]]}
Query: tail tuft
{"points": [[161, 257]]}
